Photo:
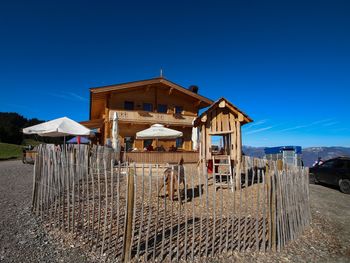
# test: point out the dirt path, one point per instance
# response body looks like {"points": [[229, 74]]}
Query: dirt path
{"points": [[22, 239]]}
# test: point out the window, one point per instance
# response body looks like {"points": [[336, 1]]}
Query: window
{"points": [[128, 105], [129, 142], [179, 142], [178, 110], [162, 108], [147, 107], [147, 143], [328, 164]]}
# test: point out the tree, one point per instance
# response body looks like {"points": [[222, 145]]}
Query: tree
{"points": [[11, 125]]}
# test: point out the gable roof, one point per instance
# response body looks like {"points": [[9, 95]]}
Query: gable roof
{"points": [[160, 80], [229, 105]]}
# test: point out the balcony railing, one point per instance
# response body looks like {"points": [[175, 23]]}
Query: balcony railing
{"points": [[152, 117]]}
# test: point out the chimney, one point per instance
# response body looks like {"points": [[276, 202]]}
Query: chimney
{"points": [[193, 88]]}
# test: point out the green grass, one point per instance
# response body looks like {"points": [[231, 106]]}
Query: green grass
{"points": [[10, 151]]}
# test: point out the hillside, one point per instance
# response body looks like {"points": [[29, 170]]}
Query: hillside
{"points": [[310, 154], [10, 151]]}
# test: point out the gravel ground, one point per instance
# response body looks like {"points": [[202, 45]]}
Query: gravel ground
{"points": [[23, 239]]}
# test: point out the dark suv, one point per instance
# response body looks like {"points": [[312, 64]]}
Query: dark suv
{"points": [[333, 172]]}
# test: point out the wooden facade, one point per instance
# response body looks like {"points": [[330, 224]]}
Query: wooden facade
{"points": [[222, 118], [139, 105]]}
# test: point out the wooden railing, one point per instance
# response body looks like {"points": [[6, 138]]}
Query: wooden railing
{"points": [[161, 157], [152, 117]]}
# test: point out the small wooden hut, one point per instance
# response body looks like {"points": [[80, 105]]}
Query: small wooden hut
{"points": [[224, 119]]}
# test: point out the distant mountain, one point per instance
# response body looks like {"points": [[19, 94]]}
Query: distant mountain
{"points": [[253, 151], [310, 154]]}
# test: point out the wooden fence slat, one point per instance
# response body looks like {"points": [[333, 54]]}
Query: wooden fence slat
{"points": [[239, 209], [164, 217], [148, 229], [157, 215], [129, 229], [111, 207], [221, 211], [171, 196], [245, 204], [214, 215], [207, 209], [140, 231], [118, 210], [257, 216], [200, 211], [193, 219], [106, 207], [178, 212]]}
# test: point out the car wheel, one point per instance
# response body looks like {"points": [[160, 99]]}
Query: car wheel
{"points": [[312, 179], [344, 185]]}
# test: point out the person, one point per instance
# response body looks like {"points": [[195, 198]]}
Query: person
{"points": [[160, 148], [150, 148], [172, 148]]}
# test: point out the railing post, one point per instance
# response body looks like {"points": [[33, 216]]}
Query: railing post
{"points": [[129, 216]]}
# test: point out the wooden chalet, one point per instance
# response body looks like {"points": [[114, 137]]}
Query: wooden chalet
{"points": [[140, 104]]}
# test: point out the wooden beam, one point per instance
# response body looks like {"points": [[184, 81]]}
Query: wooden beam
{"points": [[171, 91], [225, 120], [219, 120], [233, 138], [208, 141], [213, 121], [221, 132]]}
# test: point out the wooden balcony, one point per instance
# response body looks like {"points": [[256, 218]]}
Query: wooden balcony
{"points": [[144, 117]]}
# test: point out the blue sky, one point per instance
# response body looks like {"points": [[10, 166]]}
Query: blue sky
{"points": [[285, 63]]}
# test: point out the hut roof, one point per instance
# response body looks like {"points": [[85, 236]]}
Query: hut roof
{"points": [[204, 102], [229, 105]]}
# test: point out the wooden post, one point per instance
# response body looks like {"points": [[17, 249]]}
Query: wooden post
{"points": [[271, 191], [129, 218]]}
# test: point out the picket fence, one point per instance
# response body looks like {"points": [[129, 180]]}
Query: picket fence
{"points": [[123, 211]]}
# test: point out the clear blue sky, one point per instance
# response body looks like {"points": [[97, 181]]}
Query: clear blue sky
{"points": [[285, 63]]}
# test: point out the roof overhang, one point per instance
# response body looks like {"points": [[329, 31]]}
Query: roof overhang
{"points": [[222, 103], [201, 100]]}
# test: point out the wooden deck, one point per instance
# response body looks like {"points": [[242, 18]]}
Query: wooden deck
{"points": [[161, 157]]}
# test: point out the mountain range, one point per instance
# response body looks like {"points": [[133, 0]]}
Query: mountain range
{"points": [[309, 154]]}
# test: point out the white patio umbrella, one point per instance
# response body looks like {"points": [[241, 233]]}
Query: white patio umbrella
{"points": [[194, 137], [115, 131], [60, 127], [158, 131]]}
